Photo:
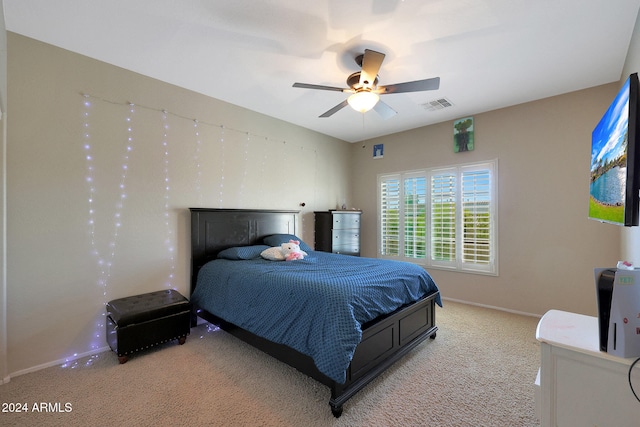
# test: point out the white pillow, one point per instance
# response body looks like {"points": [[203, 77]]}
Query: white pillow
{"points": [[273, 254]]}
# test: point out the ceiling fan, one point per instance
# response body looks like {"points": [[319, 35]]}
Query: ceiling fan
{"points": [[363, 85]]}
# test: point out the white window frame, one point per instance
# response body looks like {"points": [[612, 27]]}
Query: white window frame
{"points": [[477, 204]]}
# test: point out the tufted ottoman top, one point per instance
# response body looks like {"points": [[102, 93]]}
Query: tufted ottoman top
{"points": [[141, 308]]}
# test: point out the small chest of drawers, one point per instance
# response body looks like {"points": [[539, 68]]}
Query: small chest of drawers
{"points": [[338, 232]]}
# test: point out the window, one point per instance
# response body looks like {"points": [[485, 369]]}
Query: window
{"points": [[442, 218]]}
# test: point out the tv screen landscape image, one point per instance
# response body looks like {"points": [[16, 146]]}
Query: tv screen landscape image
{"points": [[614, 167]]}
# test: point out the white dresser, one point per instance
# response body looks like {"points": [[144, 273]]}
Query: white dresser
{"points": [[579, 384]]}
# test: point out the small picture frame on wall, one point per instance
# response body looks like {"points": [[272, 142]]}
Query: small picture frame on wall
{"points": [[463, 135], [378, 151]]}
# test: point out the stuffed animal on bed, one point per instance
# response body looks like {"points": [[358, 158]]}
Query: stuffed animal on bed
{"points": [[292, 250], [285, 252]]}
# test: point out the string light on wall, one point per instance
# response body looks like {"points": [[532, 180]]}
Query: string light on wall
{"points": [[167, 190], [223, 161], [196, 160], [281, 153], [90, 181], [104, 258], [243, 181], [263, 164], [169, 113]]}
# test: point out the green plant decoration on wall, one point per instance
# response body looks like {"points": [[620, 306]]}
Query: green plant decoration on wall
{"points": [[463, 135]]}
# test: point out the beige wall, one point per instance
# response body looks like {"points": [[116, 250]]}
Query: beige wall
{"points": [[55, 297], [547, 246]]}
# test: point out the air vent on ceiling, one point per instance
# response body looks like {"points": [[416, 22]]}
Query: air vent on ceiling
{"points": [[437, 104]]}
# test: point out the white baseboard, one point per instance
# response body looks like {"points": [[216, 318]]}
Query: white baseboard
{"points": [[58, 362], [523, 313]]}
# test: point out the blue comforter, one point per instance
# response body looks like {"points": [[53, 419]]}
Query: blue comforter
{"points": [[316, 305]]}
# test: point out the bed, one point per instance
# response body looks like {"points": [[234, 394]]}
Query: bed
{"points": [[379, 341]]}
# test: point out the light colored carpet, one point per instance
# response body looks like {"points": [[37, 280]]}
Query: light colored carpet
{"points": [[479, 371]]}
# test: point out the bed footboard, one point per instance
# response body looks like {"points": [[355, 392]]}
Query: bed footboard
{"points": [[384, 341]]}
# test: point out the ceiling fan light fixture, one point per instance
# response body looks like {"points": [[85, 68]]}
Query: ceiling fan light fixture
{"points": [[363, 101], [365, 90]]}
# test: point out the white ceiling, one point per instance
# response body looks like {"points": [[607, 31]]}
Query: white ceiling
{"points": [[488, 54]]}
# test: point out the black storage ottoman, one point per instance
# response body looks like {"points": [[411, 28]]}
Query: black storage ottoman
{"points": [[138, 322]]}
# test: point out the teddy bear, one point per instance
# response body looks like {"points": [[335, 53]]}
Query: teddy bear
{"points": [[289, 251]]}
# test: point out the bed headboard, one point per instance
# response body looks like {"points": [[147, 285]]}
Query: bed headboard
{"points": [[213, 230]]}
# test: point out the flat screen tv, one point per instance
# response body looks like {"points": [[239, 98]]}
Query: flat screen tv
{"points": [[614, 160]]}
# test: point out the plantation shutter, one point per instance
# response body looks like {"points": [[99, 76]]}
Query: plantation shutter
{"points": [[443, 216], [477, 199], [415, 210], [389, 203]]}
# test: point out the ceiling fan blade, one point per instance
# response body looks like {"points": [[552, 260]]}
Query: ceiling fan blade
{"points": [[371, 63], [415, 86], [335, 109], [320, 87], [384, 110]]}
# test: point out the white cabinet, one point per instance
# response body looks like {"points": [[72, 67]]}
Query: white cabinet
{"points": [[579, 384]]}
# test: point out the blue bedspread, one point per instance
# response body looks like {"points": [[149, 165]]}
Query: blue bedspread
{"points": [[316, 305]]}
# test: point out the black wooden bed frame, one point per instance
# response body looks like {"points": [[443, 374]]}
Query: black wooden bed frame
{"points": [[384, 340]]}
